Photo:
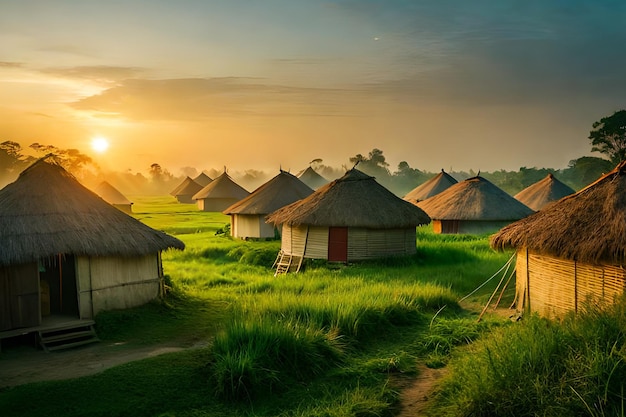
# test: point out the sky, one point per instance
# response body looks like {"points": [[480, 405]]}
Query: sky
{"points": [[250, 84]]}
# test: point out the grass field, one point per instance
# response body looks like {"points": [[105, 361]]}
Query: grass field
{"points": [[323, 342]]}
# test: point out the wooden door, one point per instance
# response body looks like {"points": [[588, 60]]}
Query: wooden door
{"points": [[338, 244]]}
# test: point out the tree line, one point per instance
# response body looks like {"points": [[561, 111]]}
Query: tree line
{"points": [[607, 136]]}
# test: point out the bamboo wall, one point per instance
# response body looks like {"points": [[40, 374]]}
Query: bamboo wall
{"points": [[552, 286], [116, 283], [362, 243], [215, 204], [20, 304], [469, 227], [250, 225]]}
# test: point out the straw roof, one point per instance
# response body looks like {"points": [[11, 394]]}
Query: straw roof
{"points": [[311, 178], [588, 226], [46, 211], [433, 186], [543, 192], [354, 200], [283, 189], [474, 199], [111, 194], [187, 187], [222, 187], [203, 179]]}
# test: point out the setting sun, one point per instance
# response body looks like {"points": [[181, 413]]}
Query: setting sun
{"points": [[100, 144]]}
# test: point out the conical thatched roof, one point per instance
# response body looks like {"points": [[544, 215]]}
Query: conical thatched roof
{"points": [[474, 199], [543, 192], [433, 186], [281, 190], [46, 211], [111, 194], [354, 200], [222, 187], [203, 179], [187, 187], [311, 178], [588, 226]]}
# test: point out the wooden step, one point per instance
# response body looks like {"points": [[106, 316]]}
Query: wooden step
{"points": [[67, 337]]}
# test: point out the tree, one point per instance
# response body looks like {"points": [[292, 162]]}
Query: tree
{"points": [[609, 136], [71, 159], [12, 161]]}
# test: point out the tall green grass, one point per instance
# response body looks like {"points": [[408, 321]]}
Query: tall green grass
{"points": [[319, 343], [543, 367]]}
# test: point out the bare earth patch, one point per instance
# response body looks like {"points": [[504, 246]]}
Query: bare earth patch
{"points": [[415, 394], [25, 366]]}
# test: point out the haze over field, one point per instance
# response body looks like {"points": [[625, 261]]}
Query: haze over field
{"points": [[460, 85]]}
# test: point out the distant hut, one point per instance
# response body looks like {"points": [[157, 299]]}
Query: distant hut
{"points": [[538, 195], [220, 194], [203, 179], [572, 251], [473, 206], [433, 186], [351, 218], [65, 252], [311, 178], [185, 191], [248, 215], [112, 196]]}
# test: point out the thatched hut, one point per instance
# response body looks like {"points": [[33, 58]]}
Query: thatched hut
{"points": [[220, 194], [185, 191], [114, 197], [548, 190], [473, 206], [311, 178], [247, 216], [203, 179], [433, 186], [573, 250], [351, 218], [65, 251]]}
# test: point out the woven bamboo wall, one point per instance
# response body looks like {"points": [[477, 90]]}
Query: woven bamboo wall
{"points": [[556, 286], [117, 283], [377, 243], [317, 243]]}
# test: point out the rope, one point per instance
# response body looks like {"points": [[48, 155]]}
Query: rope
{"points": [[506, 265]]}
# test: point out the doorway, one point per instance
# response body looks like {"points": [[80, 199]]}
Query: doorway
{"points": [[59, 292]]}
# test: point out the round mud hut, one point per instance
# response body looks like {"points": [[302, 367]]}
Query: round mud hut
{"points": [[351, 218], [185, 191], [573, 251], [113, 196], [65, 252], [473, 206], [548, 190], [433, 186], [220, 194], [311, 178], [247, 216]]}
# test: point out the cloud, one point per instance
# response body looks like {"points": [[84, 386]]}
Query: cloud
{"points": [[99, 73], [203, 98], [6, 64]]}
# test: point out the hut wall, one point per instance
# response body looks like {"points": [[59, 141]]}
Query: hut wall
{"points": [[556, 286], [185, 198], [250, 225], [317, 243], [294, 240], [377, 243], [20, 304], [469, 227], [117, 283], [215, 204]]}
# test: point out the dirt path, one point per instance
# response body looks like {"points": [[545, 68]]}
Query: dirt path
{"points": [[414, 395], [25, 366]]}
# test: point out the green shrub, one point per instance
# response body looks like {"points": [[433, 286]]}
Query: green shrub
{"points": [[252, 358]]}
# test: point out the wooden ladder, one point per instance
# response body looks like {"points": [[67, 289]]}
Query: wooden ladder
{"points": [[287, 263]]}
